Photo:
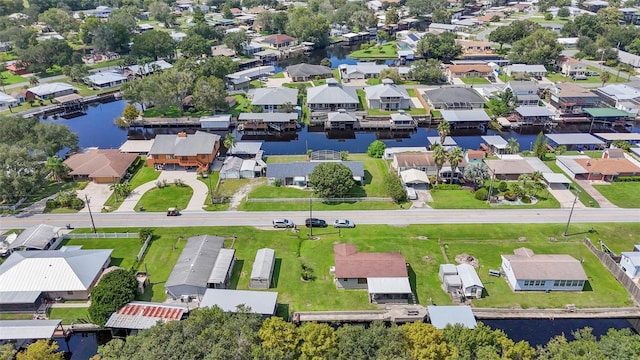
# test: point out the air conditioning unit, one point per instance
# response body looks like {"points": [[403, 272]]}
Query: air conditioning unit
{"points": [[332, 270]]}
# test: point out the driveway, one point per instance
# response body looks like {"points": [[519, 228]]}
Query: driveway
{"points": [[564, 196], [97, 194], [190, 178], [602, 201], [273, 82]]}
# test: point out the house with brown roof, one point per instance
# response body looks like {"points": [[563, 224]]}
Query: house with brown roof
{"points": [[527, 271], [384, 275], [570, 66], [423, 161], [103, 166], [196, 150], [470, 70], [474, 47], [508, 169], [606, 169], [571, 99], [279, 41]]}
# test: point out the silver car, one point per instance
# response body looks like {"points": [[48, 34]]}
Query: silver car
{"points": [[343, 223]]}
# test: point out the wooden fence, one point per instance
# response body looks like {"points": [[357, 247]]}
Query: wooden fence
{"points": [[354, 199], [126, 235], [616, 271]]}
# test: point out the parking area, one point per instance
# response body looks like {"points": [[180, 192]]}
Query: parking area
{"points": [[97, 195]]}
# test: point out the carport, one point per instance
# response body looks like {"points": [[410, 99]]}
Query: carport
{"points": [[556, 180], [413, 177]]}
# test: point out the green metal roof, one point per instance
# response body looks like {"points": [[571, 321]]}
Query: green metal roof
{"points": [[606, 112]]}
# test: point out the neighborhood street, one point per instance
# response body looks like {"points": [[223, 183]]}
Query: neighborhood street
{"points": [[390, 217]]}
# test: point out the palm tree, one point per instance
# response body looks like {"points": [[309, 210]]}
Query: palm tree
{"points": [[229, 141], [34, 80], [58, 168], [478, 173], [444, 129], [455, 157], [439, 157], [513, 146]]}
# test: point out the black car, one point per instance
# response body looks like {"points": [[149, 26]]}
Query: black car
{"points": [[314, 222]]}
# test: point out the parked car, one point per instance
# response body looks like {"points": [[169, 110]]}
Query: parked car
{"points": [[315, 222], [579, 77], [343, 223], [593, 73], [173, 212], [411, 193], [283, 223]]}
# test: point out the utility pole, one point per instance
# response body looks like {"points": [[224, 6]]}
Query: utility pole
{"points": [[491, 188], [310, 215], [210, 188], [93, 224], [566, 229]]}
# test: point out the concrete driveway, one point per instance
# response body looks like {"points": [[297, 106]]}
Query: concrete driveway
{"points": [[564, 196], [97, 194]]}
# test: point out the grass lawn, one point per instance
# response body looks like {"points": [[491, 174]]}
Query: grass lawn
{"points": [[8, 56], [363, 104], [484, 241], [211, 182], [373, 81], [504, 77], [436, 114], [285, 158], [242, 105], [53, 188], [279, 75], [63, 210], [104, 64], [174, 112], [143, 175], [558, 77], [386, 51], [475, 81], [10, 316], [412, 92], [336, 75], [10, 79], [622, 194], [464, 199], [159, 200], [70, 315], [124, 250]]}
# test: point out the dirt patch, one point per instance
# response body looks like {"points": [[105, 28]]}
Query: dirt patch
{"points": [[422, 237], [427, 258], [467, 259], [236, 199]]}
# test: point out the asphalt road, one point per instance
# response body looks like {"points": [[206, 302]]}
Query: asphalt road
{"points": [[391, 217]]}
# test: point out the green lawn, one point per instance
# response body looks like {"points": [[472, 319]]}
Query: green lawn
{"points": [[486, 242], [386, 51], [211, 182], [62, 210], [279, 75], [363, 104], [373, 81], [70, 315], [104, 64], [622, 194], [464, 199], [558, 77], [52, 188], [159, 199], [142, 175], [242, 105], [10, 79], [412, 92], [475, 81], [336, 75], [504, 77], [124, 250], [436, 114], [174, 112], [8, 56], [285, 158]]}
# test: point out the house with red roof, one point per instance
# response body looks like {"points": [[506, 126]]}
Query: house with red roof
{"points": [[383, 275], [279, 41]]}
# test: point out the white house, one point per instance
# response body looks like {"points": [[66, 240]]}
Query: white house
{"points": [[536, 71], [630, 263], [526, 271], [105, 80], [7, 101], [387, 96]]}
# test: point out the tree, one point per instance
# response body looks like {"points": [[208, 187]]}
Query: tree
{"points": [[325, 62], [605, 77], [540, 146], [45, 54], [444, 129], [427, 343], [620, 144], [58, 168], [424, 7], [53, 138], [363, 20], [162, 13], [439, 158], [217, 66], [7, 352], [391, 16], [318, 341], [59, 20], [392, 74], [376, 149], [130, 113], [34, 80], [564, 12], [280, 338], [195, 46], [559, 150], [609, 16], [477, 173], [355, 342], [210, 93], [153, 44], [455, 157], [442, 16], [229, 141], [394, 187], [331, 180], [226, 11], [492, 344], [513, 146], [537, 48], [41, 350], [517, 30], [307, 26], [426, 70], [442, 47], [114, 290], [121, 190], [236, 40]]}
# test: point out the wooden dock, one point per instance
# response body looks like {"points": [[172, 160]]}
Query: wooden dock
{"points": [[392, 313], [568, 313], [145, 122]]}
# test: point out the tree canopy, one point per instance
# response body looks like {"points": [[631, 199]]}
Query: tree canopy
{"points": [[540, 47], [331, 180], [153, 44], [376, 149], [442, 47], [114, 290]]}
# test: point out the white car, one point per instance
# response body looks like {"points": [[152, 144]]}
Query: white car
{"points": [[343, 223]]}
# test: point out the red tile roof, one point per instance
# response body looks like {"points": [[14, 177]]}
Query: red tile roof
{"points": [[101, 163], [279, 39], [608, 166], [350, 263], [475, 154]]}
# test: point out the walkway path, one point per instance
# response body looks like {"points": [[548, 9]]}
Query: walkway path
{"points": [[190, 178], [602, 201], [236, 199]]}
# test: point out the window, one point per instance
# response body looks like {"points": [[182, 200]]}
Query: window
{"points": [[203, 156], [563, 283], [168, 156], [556, 283], [362, 280], [69, 292]]}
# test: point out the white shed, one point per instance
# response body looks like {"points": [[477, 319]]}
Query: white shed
{"points": [[471, 284], [262, 270]]}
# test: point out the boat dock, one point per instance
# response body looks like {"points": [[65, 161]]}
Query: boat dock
{"points": [[392, 313], [72, 104], [146, 122]]}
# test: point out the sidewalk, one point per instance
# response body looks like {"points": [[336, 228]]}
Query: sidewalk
{"points": [[602, 201]]}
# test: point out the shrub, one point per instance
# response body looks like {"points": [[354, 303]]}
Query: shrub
{"points": [[627, 178], [394, 188], [161, 184], [510, 196], [447, 187], [144, 233], [481, 194], [77, 203], [306, 272], [376, 149], [52, 204], [179, 182], [503, 186], [526, 199], [277, 182]]}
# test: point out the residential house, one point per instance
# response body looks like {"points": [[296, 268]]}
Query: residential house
{"points": [[102, 166], [533, 116], [331, 97], [508, 169], [262, 269], [241, 79], [603, 169], [361, 70], [408, 40], [308, 72], [454, 97], [469, 71], [280, 41], [570, 66], [196, 150], [268, 121], [142, 28], [620, 96], [524, 70], [274, 99], [387, 96], [7, 101], [629, 15], [222, 50], [50, 91], [526, 92], [190, 275], [29, 277], [17, 69], [384, 275], [238, 168], [570, 99], [629, 59], [414, 178], [141, 315], [255, 302], [177, 36], [105, 80], [473, 47], [37, 237], [390, 152], [466, 119], [297, 173], [474, 156], [526, 271], [575, 141], [438, 28], [102, 12], [595, 5], [338, 120], [423, 161], [133, 71], [252, 48], [630, 262]]}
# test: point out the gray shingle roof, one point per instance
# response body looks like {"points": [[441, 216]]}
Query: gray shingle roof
{"points": [[517, 86], [196, 261], [36, 237], [533, 111], [289, 170], [275, 96], [191, 145], [307, 70], [245, 148], [453, 94], [478, 115], [385, 89], [332, 93]]}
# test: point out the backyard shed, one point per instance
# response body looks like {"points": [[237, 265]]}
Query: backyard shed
{"points": [[452, 283], [447, 269], [259, 302], [441, 316], [471, 284], [139, 315], [222, 269], [262, 270]]}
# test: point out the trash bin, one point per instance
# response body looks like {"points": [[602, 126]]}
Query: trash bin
{"points": [[140, 208]]}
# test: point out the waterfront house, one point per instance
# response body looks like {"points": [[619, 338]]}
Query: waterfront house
{"points": [[595, 5], [50, 90], [340, 120], [254, 302], [190, 275], [268, 121], [297, 173], [102, 166], [466, 119], [7, 101], [37, 237], [308, 72], [101, 12], [575, 141], [570, 99], [469, 71], [524, 70], [620, 96], [526, 92], [273, 99], [384, 275], [361, 70], [474, 156], [390, 152], [280, 41], [252, 48], [423, 161], [630, 262], [141, 315], [533, 116], [29, 277], [387, 96], [331, 97], [196, 150], [238, 168], [526, 271], [453, 97], [133, 71], [105, 80], [508, 169], [603, 169], [607, 118], [241, 79], [570, 66], [262, 269]]}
